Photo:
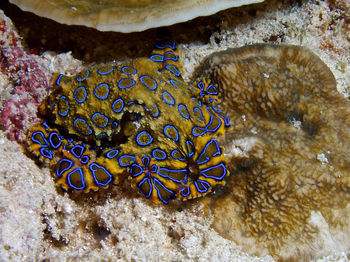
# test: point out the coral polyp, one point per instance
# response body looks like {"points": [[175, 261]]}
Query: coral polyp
{"points": [[138, 120]]}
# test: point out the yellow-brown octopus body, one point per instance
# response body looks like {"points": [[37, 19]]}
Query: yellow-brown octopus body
{"points": [[138, 119]]}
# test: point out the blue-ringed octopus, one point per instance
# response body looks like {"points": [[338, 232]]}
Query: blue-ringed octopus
{"points": [[137, 120]]}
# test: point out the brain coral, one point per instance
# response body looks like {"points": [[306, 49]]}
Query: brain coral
{"points": [[124, 15], [288, 150]]}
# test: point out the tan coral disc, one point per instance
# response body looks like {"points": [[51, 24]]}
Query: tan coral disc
{"points": [[288, 152], [126, 15]]}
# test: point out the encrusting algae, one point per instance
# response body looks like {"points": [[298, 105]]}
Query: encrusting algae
{"points": [[139, 121], [288, 149]]}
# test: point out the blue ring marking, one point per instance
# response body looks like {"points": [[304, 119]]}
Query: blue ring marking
{"points": [[210, 122], [107, 93], [218, 152], [37, 141], [60, 172], [149, 136], [78, 169], [202, 129], [76, 128], [156, 182], [117, 101], [190, 144], [161, 169], [80, 152], [112, 153], [157, 58], [153, 169], [146, 179], [213, 91], [114, 125], [58, 109], [130, 103], [200, 85], [126, 86], [169, 102], [105, 73], [75, 94], [156, 150], [183, 192], [222, 115], [151, 111], [198, 102], [173, 58], [173, 69], [173, 82], [128, 67], [136, 173], [103, 116], [150, 87], [84, 159], [51, 141], [69, 140], [86, 76], [93, 168], [173, 128], [200, 117], [203, 172], [58, 80], [173, 155], [204, 184], [104, 134], [45, 152], [145, 161], [185, 115], [126, 156], [44, 124], [160, 45]]}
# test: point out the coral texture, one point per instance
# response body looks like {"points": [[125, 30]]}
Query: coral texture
{"points": [[126, 16], [28, 83], [288, 149], [137, 119]]}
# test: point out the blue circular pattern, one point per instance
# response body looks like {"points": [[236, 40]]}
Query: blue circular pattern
{"points": [[183, 111], [81, 121], [96, 170], [118, 105], [168, 98], [102, 117], [128, 70], [54, 140], [80, 89], [173, 69], [154, 112], [157, 58], [58, 80], [65, 113], [77, 151], [103, 93], [63, 165], [167, 132], [144, 138], [112, 153], [76, 172], [87, 73], [126, 83], [102, 70], [158, 154], [143, 80]]}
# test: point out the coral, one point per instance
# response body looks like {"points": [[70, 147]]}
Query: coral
{"points": [[29, 83], [138, 119], [287, 151], [126, 16]]}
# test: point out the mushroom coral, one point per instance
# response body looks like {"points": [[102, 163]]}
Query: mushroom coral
{"points": [[124, 15], [288, 152]]}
